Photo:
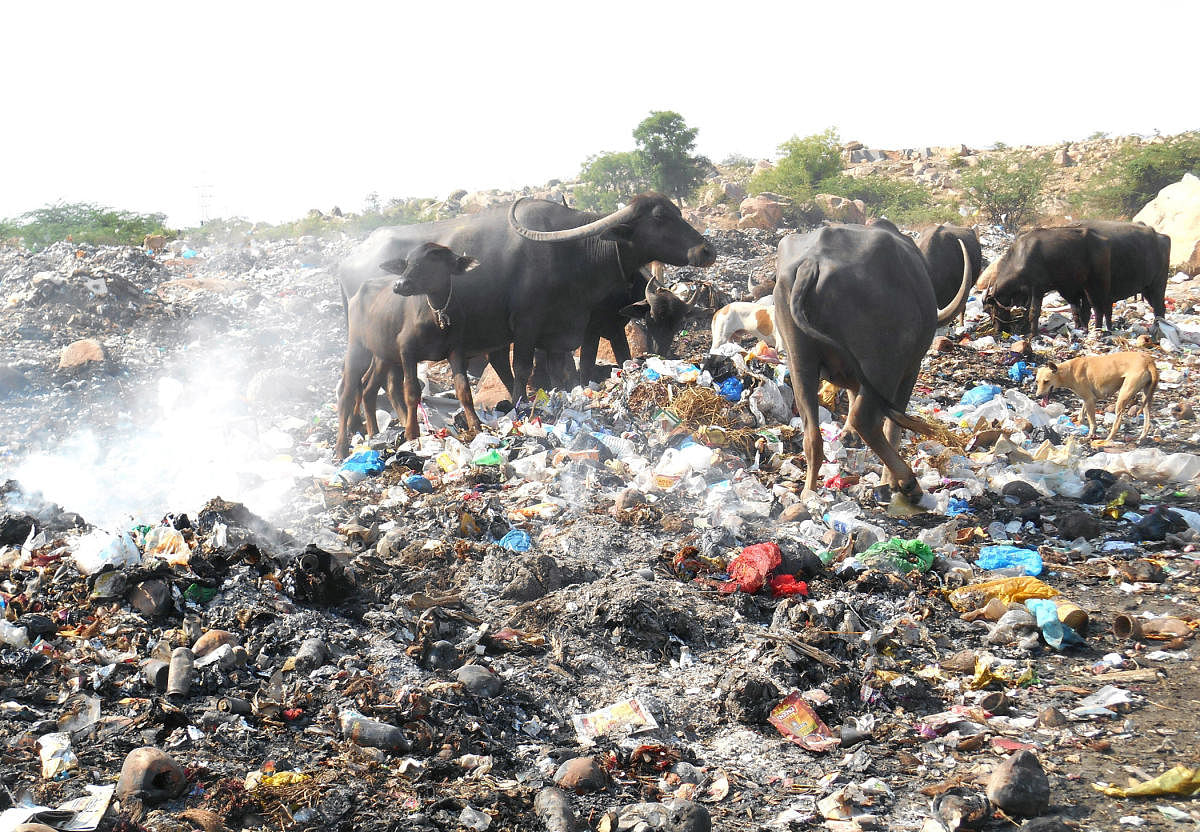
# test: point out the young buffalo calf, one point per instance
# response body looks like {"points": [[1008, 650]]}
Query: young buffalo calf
{"points": [[415, 321]]}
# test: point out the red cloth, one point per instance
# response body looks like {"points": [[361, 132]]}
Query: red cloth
{"points": [[749, 570]]}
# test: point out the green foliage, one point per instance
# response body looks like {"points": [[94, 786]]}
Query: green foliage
{"points": [[1099, 134], [1007, 188], [737, 160], [237, 230], [82, 222], [665, 144], [903, 201], [608, 179], [1136, 173], [804, 163]]}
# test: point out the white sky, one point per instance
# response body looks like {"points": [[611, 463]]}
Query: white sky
{"points": [[275, 108]]}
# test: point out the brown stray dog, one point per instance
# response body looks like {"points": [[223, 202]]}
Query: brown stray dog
{"points": [[1092, 377]]}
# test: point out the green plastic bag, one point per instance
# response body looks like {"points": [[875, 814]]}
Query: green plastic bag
{"points": [[902, 555]]}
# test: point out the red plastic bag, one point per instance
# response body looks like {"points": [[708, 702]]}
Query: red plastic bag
{"points": [[749, 570], [782, 585]]}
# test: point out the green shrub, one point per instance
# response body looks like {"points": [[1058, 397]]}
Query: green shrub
{"points": [[803, 164], [1136, 173], [903, 201], [82, 222], [608, 179], [1008, 188]]}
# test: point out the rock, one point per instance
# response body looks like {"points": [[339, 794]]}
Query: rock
{"points": [[1182, 411], [1021, 490], [12, 381], [1076, 524], [794, 513], [553, 808], [81, 353], [490, 391], [582, 774], [151, 598], [1051, 824], [761, 211], [1019, 785], [1192, 264], [479, 680], [1051, 718], [1063, 159], [942, 344], [840, 209], [628, 498], [213, 639], [1124, 488], [1021, 347], [687, 816], [1176, 213]]}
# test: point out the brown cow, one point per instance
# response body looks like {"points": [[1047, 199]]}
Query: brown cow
{"points": [[155, 243]]}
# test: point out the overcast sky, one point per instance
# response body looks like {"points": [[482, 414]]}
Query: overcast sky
{"points": [[264, 110]]}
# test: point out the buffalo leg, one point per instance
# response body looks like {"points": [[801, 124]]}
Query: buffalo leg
{"points": [[1035, 315], [867, 419], [392, 378], [557, 367], [806, 382], [412, 396], [462, 389], [370, 395], [358, 360], [502, 367], [587, 353], [522, 368]]}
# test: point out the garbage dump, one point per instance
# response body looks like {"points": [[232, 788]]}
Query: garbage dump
{"points": [[613, 608]]}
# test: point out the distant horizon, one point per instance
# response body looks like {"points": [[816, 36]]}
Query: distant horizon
{"points": [[264, 111], [385, 198]]}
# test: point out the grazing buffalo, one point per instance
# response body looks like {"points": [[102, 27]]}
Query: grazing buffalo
{"points": [[545, 269], [1138, 264], [400, 323], [1072, 260], [855, 305], [940, 247]]}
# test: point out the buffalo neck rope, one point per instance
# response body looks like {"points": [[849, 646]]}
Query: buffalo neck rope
{"points": [[439, 315]]}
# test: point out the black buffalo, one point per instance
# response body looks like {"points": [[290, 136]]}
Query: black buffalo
{"points": [[855, 305], [544, 269], [1138, 264], [940, 247], [1072, 260]]}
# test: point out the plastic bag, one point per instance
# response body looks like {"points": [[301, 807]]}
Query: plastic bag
{"points": [[1004, 557], [364, 462], [516, 541], [731, 389], [980, 394], [902, 555], [100, 549], [1009, 590], [1181, 780], [1054, 631], [749, 570]]}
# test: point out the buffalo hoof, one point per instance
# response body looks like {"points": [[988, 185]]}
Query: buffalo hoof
{"points": [[911, 489]]}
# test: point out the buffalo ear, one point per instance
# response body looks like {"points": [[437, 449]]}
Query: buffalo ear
{"points": [[396, 266], [465, 264], [622, 233], [636, 310]]}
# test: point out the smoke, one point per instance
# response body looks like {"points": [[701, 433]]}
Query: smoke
{"points": [[189, 435]]}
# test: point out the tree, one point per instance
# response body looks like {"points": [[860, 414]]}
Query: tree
{"points": [[1007, 188], [608, 179], [803, 163], [83, 222], [1137, 173], [665, 143]]}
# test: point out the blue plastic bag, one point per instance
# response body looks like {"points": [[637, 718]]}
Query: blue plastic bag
{"points": [[957, 506], [980, 395], [731, 389], [1003, 557], [189, 253], [419, 483], [516, 541], [1019, 372], [1054, 632], [365, 463]]}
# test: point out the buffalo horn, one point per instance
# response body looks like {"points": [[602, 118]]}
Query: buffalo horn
{"points": [[948, 314], [590, 230]]}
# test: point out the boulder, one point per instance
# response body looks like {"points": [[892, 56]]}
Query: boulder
{"points": [[761, 211], [583, 774], [81, 353], [1176, 213], [1063, 159], [840, 209]]}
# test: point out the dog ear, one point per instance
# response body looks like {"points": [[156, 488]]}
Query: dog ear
{"points": [[1051, 366]]}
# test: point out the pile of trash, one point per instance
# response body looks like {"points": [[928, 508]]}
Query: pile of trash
{"points": [[615, 607]]}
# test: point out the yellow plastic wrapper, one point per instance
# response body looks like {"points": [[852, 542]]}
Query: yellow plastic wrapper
{"points": [[1009, 590], [1181, 780], [985, 675], [279, 778]]}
